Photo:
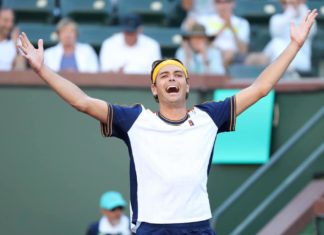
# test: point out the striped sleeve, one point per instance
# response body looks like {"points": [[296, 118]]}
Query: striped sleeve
{"points": [[119, 120], [106, 128], [223, 113]]}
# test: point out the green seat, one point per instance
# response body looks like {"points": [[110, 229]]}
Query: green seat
{"points": [[87, 11], [152, 12], [31, 10], [37, 31], [168, 37], [241, 71], [258, 12], [250, 143], [96, 34], [260, 36], [318, 49]]}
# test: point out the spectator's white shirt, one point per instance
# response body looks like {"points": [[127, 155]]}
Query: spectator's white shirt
{"points": [[8, 53], [196, 62], [202, 7], [280, 33], [123, 227], [86, 58], [115, 54], [225, 40]]}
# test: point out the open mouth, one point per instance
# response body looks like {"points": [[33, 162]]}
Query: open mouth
{"points": [[172, 89]]}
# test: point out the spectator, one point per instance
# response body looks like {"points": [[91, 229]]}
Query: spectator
{"points": [[294, 10], [129, 51], [10, 59], [68, 54], [195, 9], [113, 221], [232, 32], [198, 55]]}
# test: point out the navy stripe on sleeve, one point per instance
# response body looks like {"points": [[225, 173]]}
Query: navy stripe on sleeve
{"points": [[223, 113], [120, 119]]}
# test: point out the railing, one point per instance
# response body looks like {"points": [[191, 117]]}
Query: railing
{"points": [[288, 181], [273, 159], [116, 80]]}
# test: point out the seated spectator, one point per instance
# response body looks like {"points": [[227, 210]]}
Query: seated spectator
{"points": [[9, 59], [198, 55], [195, 9], [232, 32], [294, 10], [129, 51], [113, 221], [68, 54]]}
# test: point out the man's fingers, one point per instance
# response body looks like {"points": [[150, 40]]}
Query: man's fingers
{"points": [[305, 17], [311, 20], [40, 44], [22, 49], [23, 40], [26, 39], [312, 16]]}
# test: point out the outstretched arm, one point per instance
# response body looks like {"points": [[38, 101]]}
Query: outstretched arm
{"points": [[271, 75], [72, 94]]}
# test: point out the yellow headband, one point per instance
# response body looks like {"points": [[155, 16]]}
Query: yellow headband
{"points": [[164, 63]]}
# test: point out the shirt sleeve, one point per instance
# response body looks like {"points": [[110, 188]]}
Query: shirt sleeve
{"points": [[244, 31], [222, 113], [120, 119]]}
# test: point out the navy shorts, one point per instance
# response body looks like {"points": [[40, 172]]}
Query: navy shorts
{"points": [[195, 228]]}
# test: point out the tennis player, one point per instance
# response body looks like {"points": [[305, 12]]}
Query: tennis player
{"points": [[170, 151]]}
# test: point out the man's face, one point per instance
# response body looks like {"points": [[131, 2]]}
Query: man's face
{"points": [[6, 22], [171, 85], [198, 43], [131, 38], [113, 215], [290, 3], [224, 7], [68, 35]]}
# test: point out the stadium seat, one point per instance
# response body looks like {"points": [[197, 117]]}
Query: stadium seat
{"points": [[259, 37], [153, 12], [96, 34], [87, 11], [318, 49], [31, 10], [241, 71], [169, 38], [36, 31], [257, 12], [176, 14]]}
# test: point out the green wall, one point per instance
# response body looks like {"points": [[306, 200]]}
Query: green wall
{"points": [[54, 164]]}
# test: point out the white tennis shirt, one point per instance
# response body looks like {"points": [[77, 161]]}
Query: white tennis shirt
{"points": [[170, 161]]}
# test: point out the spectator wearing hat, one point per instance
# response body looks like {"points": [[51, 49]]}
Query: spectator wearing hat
{"points": [[232, 32], [129, 51], [197, 53], [113, 221], [68, 54]]}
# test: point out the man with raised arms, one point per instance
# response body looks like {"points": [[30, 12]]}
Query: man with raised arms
{"points": [[170, 150]]}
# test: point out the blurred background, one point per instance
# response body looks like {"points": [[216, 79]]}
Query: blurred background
{"points": [[267, 178]]}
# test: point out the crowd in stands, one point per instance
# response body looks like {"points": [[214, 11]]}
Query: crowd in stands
{"points": [[213, 39]]}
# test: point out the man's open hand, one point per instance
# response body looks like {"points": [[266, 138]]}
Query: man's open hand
{"points": [[34, 56], [299, 34]]}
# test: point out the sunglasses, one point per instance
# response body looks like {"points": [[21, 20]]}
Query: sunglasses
{"points": [[223, 1], [117, 208]]}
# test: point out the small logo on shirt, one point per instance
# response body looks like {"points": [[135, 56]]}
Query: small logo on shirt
{"points": [[191, 123]]}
